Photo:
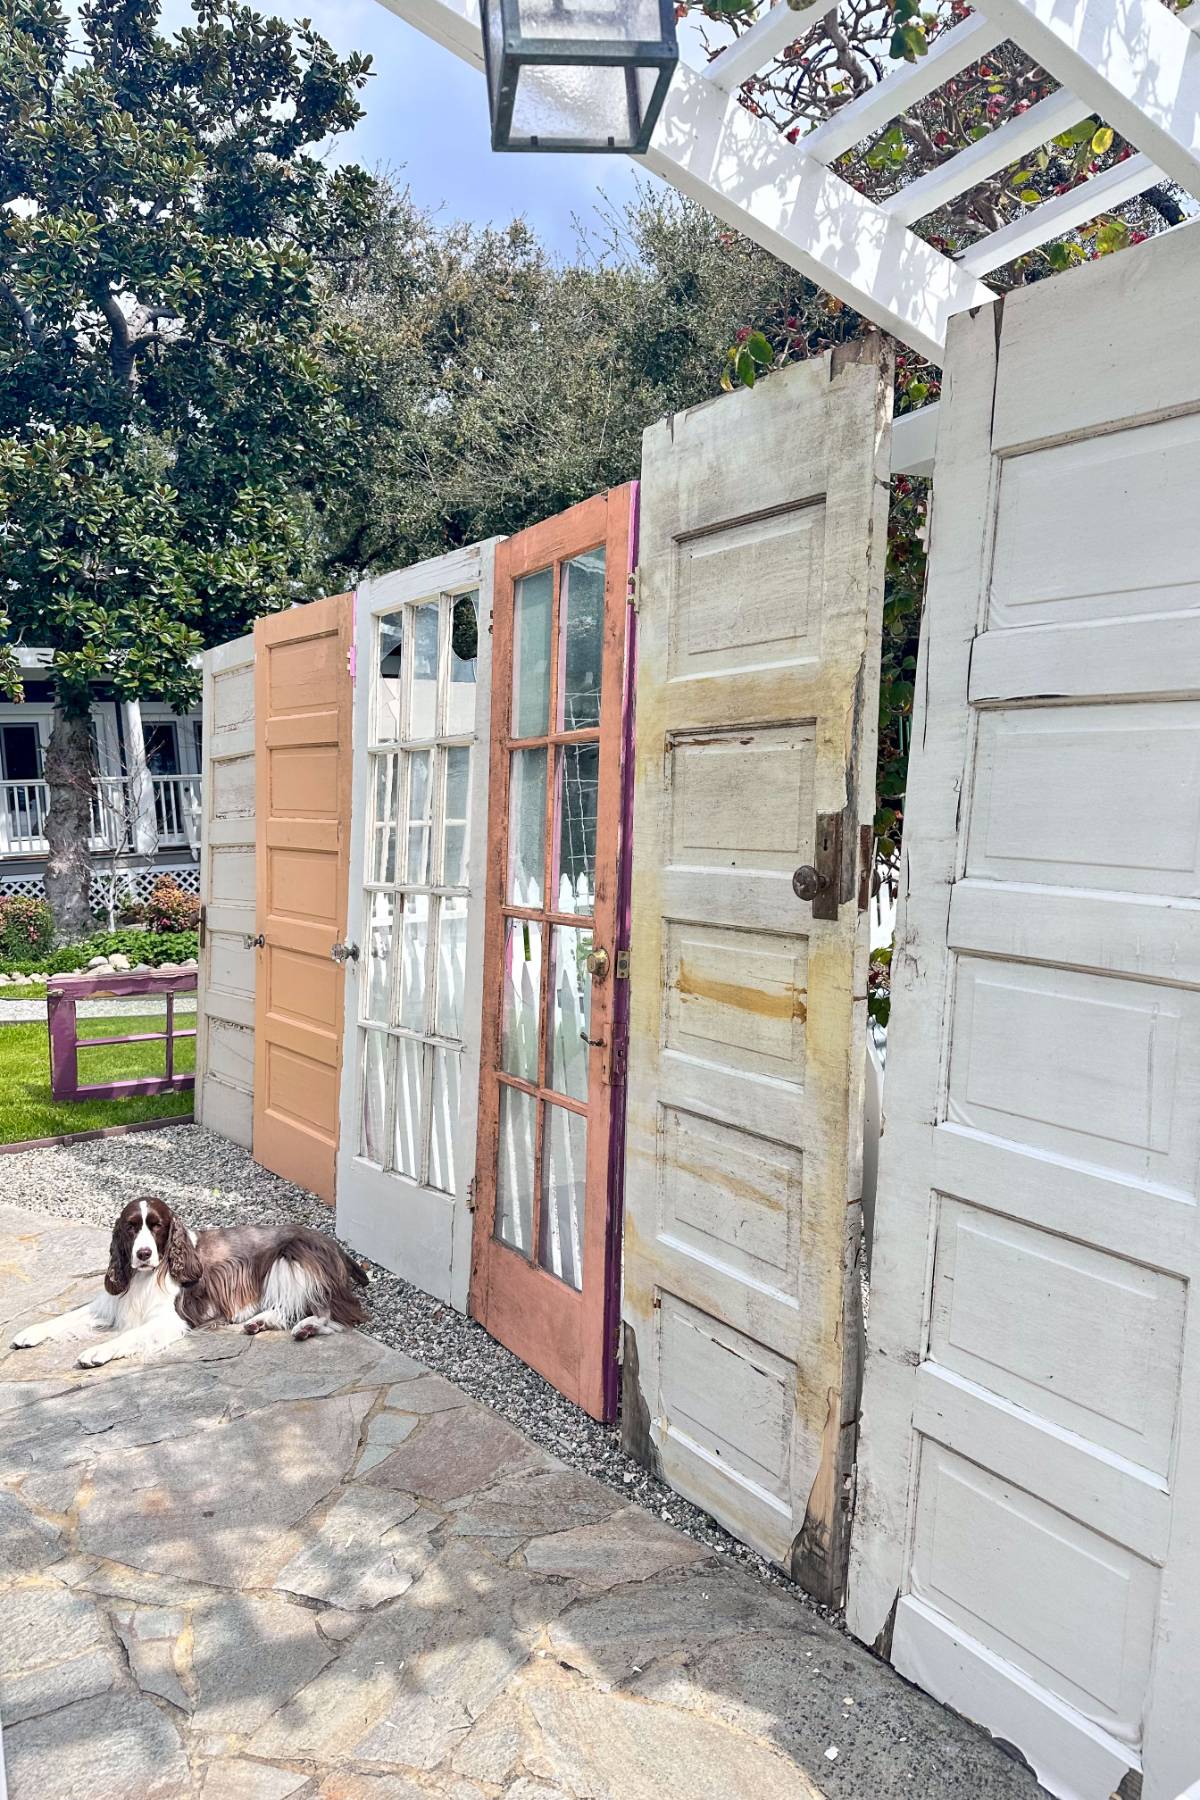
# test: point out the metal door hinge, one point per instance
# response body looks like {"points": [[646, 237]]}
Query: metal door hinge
{"points": [[203, 935], [470, 1195], [622, 965], [632, 591], [344, 953]]}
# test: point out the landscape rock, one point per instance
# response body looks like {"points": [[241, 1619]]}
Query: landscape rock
{"points": [[117, 961], [99, 962], [109, 1748]]}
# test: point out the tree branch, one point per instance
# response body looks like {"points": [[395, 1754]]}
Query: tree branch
{"points": [[32, 329]]}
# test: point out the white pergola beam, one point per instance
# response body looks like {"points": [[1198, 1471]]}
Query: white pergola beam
{"points": [[1008, 144], [764, 41], [1124, 181], [1132, 61], [452, 23], [709, 147], [908, 83]]}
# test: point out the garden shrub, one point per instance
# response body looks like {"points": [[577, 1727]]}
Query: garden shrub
{"points": [[26, 929], [170, 907], [139, 946]]}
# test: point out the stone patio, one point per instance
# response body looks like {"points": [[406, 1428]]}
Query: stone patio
{"points": [[253, 1569]]}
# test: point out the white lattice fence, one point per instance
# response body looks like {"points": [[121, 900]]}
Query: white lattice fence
{"points": [[133, 884]]}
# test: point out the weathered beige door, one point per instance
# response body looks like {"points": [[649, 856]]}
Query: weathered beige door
{"points": [[764, 523], [303, 741], [225, 998], [1027, 1545]]}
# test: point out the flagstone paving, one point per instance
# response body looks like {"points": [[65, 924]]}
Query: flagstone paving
{"points": [[257, 1570]]}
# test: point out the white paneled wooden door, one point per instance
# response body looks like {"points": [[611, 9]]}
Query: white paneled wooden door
{"points": [[1027, 1541], [418, 844], [761, 568], [225, 999]]}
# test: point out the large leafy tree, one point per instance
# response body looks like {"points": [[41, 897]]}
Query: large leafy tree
{"points": [[167, 401]]}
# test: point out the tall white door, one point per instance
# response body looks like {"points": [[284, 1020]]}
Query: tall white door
{"points": [[1027, 1541], [410, 1073], [225, 1001], [761, 568]]}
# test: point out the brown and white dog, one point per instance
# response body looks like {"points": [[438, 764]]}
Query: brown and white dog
{"points": [[163, 1280]]}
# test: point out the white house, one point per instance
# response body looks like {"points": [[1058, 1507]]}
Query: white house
{"points": [[146, 803]]}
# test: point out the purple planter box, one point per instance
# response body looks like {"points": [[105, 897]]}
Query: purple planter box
{"points": [[65, 1043]]}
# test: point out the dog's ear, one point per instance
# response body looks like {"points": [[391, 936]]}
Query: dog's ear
{"points": [[183, 1265], [119, 1273]]}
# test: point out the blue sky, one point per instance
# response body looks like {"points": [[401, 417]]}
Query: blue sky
{"points": [[427, 122]]}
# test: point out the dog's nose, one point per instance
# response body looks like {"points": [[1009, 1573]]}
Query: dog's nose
{"points": [[143, 1254]]}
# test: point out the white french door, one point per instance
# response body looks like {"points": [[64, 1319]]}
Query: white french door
{"points": [[410, 1079]]}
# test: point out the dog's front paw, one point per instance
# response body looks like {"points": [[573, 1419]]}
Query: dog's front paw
{"points": [[27, 1339], [93, 1359]]}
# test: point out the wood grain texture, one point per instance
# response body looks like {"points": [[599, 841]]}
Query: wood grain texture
{"points": [[1033, 1377], [302, 699], [760, 584]]}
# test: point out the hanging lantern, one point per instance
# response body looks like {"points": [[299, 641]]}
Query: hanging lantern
{"points": [[577, 74]]}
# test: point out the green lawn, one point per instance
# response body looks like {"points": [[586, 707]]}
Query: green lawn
{"points": [[26, 1109]]}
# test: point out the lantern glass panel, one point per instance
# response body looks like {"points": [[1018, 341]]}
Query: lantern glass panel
{"points": [[609, 22], [594, 104]]}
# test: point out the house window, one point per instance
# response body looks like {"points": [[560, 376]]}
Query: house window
{"points": [[162, 749], [20, 753]]}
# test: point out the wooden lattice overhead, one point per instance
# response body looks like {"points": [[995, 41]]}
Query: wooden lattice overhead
{"points": [[1135, 63]]}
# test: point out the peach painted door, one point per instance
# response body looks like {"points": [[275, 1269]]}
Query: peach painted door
{"points": [[302, 684], [545, 1235]]}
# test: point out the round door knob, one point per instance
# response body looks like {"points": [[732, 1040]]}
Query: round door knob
{"points": [[597, 965], [807, 882]]}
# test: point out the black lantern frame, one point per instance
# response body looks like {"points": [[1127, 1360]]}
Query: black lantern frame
{"points": [[508, 50]]}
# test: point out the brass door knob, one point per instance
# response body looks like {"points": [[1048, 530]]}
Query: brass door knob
{"points": [[808, 882], [597, 965]]}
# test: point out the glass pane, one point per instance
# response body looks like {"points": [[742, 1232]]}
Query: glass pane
{"points": [[452, 967], [571, 1011], [373, 1141], [458, 801], [443, 1118], [388, 698], [527, 827], [582, 647], [422, 706], [514, 1172], [578, 784], [412, 965], [531, 654], [564, 1186], [420, 801], [406, 1154], [521, 1001], [377, 974], [464, 646], [383, 850]]}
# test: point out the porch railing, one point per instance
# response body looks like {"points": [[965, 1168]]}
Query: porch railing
{"points": [[24, 806]]}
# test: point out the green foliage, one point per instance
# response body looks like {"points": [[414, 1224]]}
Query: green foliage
{"points": [[26, 929], [163, 215], [169, 908], [879, 985], [139, 946]]}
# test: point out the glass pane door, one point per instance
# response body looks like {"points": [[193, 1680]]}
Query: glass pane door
{"points": [[413, 955], [543, 1247]]}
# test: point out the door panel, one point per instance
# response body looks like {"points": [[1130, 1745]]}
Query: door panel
{"points": [[1026, 1545], [303, 742], [419, 845], [760, 586], [225, 987], [543, 1263]]}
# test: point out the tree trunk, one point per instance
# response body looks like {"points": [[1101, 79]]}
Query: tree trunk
{"points": [[69, 824]]}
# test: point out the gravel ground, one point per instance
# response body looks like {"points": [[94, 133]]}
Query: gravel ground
{"points": [[19, 1012], [211, 1181]]}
